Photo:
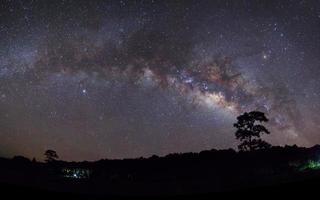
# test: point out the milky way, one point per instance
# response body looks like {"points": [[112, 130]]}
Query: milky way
{"points": [[119, 79]]}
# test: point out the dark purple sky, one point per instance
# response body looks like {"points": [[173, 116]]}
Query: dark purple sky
{"points": [[119, 79]]}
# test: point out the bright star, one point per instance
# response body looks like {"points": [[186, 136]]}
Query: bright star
{"points": [[264, 56]]}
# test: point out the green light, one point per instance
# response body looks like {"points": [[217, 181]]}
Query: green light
{"points": [[309, 165]]}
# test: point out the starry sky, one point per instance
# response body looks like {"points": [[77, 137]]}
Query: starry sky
{"points": [[123, 79]]}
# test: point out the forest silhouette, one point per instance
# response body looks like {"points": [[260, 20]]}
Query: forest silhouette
{"points": [[256, 164]]}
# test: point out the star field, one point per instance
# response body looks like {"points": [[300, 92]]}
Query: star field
{"points": [[119, 79]]}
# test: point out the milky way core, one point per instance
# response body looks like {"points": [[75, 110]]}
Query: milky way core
{"points": [[123, 79]]}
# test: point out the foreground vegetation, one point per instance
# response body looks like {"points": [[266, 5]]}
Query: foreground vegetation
{"points": [[186, 173]]}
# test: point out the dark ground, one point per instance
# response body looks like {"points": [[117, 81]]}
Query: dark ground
{"points": [[206, 174], [294, 190]]}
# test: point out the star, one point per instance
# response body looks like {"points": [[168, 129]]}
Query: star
{"points": [[265, 56], [104, 78]]}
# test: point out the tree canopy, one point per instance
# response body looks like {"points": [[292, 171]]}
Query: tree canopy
{"points": [[249, 131]]}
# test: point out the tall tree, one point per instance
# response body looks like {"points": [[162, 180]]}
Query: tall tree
{"points": [[51, 155], [250, 130]]}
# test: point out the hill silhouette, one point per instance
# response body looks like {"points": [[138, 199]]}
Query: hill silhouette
{"points": [[174, 174]]}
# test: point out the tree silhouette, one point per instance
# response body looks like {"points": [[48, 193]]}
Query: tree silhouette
{"points": [[249, 132], [51, 155]]}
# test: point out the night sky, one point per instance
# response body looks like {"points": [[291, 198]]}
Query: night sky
{"points": [[123, 79]]}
